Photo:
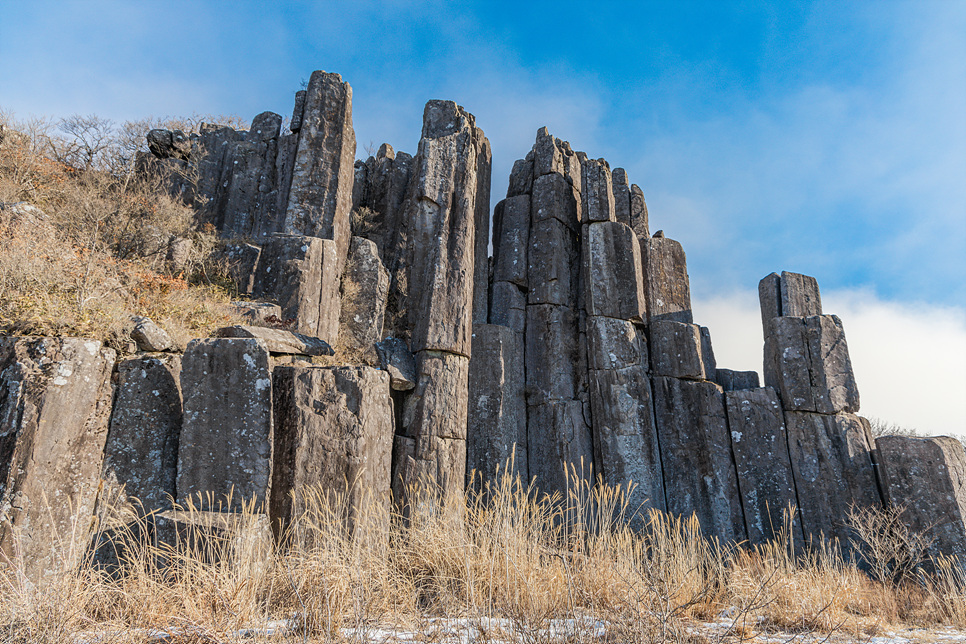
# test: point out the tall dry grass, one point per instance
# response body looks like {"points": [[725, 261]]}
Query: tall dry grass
{"points": [[501, 560]]}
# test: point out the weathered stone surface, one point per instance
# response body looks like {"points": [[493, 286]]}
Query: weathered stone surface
{"points": [[809, 364], [55, 399], [508, 306], [622, 196], [625, 436], [301, 274], [927, 477], [434, 415], [559, 441], [680, 350], [707, 354], [296, 123], [320, 195], [249, 198], [259, 313], [141, 452], [481, 270], [150, 337], [365, 286], [168, 144], [225, 445], [553, 264], [212, 156], [788, 295], [521, 177], [511, 237], [612, 262], [596, 191], [699, 474], [639, 212], [666, 280], [769, 298], [554, 198], [760, 447], [333, 430], [552, 353], [615, 344], [553, 156], [443, 213], [278, 340], [731, 380], [833, 472], [242, 260], [398, 361], [497, 430]]}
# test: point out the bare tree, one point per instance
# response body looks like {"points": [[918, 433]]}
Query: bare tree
{"points": [[88, 139]]}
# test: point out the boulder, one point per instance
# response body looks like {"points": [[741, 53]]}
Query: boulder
{"points": [[731, 380], [55, 400], [699, 473], [596, 191], [760, 447], [833, 470], [398, 361], [511, 237], [809, 365], [497, 411], [333, 433], [301, 274], [141, 452], [225, 446], [612, 262], [926, 478], [278, 340], [666, 282], [150, 337], [169, 144], [320, 195], [365, 286], [681, 350]]}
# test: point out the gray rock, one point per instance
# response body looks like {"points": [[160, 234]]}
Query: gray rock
{"points": [[296, 123], [926, 477], [639, 212], [511, 237], [301, 274], [497, 430], [789, 295], [622, 196], [731, 380], [259, 313], [434, 416], [365, 286], [225, 446], [769, 298], [481, 270], [395, 358], [680, 350], [625, 437], [278, 340], [553, 263], [284, 166], [508, 306], [666, 282], [443, 212], [833, 471], [551, 353], [554, 198], [179, 253], [612, 260], [141, 452], [150, 337], [553, 156], [249, 202], [596, 191], [242, 260], [559, 444], [169, 144], [212, 158], [760, 447], [320, 196], [699, 473], [333, 433], [521, 177], [809, 365], [55, 399], [615, 344]]}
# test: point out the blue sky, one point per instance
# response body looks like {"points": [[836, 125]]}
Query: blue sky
{"points": [[827, 138]]}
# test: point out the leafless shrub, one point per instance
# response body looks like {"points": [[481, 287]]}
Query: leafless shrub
{"points": [[892, 551]]}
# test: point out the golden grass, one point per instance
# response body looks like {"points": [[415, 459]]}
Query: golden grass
{"points": [[512, 564]]}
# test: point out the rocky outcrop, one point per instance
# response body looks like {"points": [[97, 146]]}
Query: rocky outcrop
{"points": [[278, 340], [668, 288], [55, 403], [365, 287]]}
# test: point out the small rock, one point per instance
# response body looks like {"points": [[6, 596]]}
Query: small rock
{"points": [[396, 358], [278, 340], [150, 337]]}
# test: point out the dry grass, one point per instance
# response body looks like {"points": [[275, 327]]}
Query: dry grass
{"points": [[508, 564]]}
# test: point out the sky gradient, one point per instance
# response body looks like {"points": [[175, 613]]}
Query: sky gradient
{"points": [[822, 138]]}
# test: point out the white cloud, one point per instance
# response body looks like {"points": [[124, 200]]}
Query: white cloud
{"points": [[908, 358]]}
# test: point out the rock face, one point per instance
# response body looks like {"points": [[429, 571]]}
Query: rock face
{"points": [[398, 361], [666, 275], [333, 435], [365, 286], [731, 380], [760, 447], [250, 202], [497, 411], [681, 350], [225, 445], [832, 466], [278, 340], [927, 478], [54, 407], [615, 284], [320, 195], [141, 452]]}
